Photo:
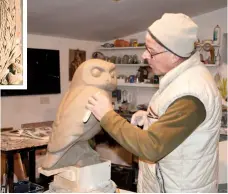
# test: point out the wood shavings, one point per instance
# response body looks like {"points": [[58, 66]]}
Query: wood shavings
{"points": [[17, 143]]}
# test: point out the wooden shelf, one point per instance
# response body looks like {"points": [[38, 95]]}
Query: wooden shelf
{"points": [[214, 45], [143, 85], [122, 48], [211, 65], [144, 65], [142, 47], [131, 65]]}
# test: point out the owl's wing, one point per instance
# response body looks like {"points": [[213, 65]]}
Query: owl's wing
{"points": [[69, 126], [67, 101]]}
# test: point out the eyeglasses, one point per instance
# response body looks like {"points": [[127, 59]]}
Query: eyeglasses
{"points": [[152, 55]]}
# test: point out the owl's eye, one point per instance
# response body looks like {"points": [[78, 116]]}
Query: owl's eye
{"points": [[96, 72], [112, 74]]}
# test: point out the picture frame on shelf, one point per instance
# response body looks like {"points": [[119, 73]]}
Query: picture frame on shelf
{"points": [[76, 58]]}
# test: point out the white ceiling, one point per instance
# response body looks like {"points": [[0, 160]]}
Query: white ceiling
{"points": [[102, 20]]}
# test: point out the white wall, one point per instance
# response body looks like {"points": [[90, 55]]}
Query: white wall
{"points": [[206, 23], [25, 109]]}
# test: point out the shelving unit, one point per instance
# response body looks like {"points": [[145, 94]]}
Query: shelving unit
{"points": [[143, 47], [131, 65], [143, 85], [214, 45], [144, 65], [128, 67], [211, 65], [122, 48]]}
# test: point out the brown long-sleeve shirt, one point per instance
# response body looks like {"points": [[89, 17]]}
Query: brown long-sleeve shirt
{"points": [[181, 118]]}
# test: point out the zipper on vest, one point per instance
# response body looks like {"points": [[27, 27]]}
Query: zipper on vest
{"points": [[160, 178]]}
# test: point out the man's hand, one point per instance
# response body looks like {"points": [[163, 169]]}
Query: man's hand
{"points": [[99, 105], [139, 118]]}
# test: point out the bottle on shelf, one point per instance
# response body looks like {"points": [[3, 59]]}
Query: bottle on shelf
{"points": [[156, 79], [217, 35]]}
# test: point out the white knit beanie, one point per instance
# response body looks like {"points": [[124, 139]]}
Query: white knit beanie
{"points": [[176, 32]]}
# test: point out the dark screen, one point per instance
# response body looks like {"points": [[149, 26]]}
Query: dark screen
{"points": [[43, 73]]}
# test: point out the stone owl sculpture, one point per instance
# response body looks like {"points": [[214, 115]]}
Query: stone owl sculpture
{"points": [[68, 143]]}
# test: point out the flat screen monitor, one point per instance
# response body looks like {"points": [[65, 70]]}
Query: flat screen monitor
{"points": [[43, 73]]}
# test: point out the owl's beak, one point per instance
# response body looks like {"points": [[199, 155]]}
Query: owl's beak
{"points": [[110, 87]]}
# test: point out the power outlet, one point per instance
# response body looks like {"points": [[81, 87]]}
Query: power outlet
{"points": [[44, 100]]}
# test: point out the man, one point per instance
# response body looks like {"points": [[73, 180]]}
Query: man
{"points": [[178, 148]]}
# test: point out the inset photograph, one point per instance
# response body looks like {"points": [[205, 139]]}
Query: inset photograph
{"points": [[11, 58]]}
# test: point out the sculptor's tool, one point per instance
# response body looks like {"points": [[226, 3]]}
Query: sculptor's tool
{"points": [[86, 116]]}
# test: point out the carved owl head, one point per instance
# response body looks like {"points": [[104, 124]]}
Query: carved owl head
{"points": [[96, 72]]}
